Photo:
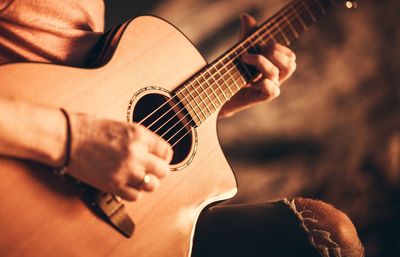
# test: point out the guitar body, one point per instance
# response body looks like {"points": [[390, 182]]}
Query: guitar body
{"points": [[42, 215]]}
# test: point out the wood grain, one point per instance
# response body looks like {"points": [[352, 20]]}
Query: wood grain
{"points": [[41, 215]]}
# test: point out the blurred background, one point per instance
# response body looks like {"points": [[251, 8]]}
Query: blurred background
{"points": [[334, 132]]}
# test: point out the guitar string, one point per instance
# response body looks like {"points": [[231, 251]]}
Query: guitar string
{"points": [[275, 26], [218, 62], [263, 28], [184, 135], [174, 135], [233, 78], [187, 122]]}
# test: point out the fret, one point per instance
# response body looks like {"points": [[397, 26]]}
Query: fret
{"points": [[285, 38], [320, 6], [206, 88], [224, 79], [246, 69], [241, 68], [309, 11], [296, 35], [230, 77], [237, 72], [315, 8], [271, 36], [233, 55], [301, 22], [259, 37], [241, 74], [232, 70], [288, 31], [203, 90], [195, 102], [228, 87], [246, 45], [277, 36], [239, 50], [216, 81], [189, 108], [250, 71], [253, 47], [238, 79], [210, 82], [203, 101], [229, 68], [266, 34]]}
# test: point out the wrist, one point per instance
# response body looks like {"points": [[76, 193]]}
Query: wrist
{"points": [[53, 151], [62, 168], [39, 136], [47, 139]]}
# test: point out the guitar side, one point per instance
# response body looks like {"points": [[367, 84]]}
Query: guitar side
{"points": [[43, 216]]}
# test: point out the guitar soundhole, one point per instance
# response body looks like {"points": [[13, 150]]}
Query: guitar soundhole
{"points": [[163, 116]]}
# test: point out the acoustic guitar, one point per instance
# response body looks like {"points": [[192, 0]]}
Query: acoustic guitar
{"points": [[152, 74]]}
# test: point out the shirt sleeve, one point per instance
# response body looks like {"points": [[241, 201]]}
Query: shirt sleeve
{"points": [[49, 31]]}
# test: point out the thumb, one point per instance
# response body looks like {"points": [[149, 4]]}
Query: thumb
{"points": [[248, 24]]}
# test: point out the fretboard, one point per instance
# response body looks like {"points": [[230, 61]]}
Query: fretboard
{"points": [[211, 87]]}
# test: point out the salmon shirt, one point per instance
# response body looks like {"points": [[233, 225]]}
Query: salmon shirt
{"points": [[49, 31]]}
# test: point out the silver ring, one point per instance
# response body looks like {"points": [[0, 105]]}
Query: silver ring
{"points": [[145, 181]]}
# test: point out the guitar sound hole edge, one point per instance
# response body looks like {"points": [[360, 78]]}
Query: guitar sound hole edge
{"points": [[166, 122]]}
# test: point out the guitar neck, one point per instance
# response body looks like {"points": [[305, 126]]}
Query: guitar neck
{"points": [[211, 87]]}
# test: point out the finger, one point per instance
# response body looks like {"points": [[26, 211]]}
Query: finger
{"points": [[269, 89], [285, 64], [136, 175], [155, 165], [128, 193], [285, 50], [261, 91], [263, 65], [248, 24], [280, 48], [157, 145]]}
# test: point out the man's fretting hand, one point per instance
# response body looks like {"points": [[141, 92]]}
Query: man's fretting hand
{"points": [[276, 63], [115, 156]]}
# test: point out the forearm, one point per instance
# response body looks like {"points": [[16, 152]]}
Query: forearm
{"points": [[33, 132]]}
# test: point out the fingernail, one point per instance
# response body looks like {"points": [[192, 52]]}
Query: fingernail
{"points": [[277, 91]]}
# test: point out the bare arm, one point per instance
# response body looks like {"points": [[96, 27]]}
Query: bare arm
{"points": [[112, 156], [32, 132]]}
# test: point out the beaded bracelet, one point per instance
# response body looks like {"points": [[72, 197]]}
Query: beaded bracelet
{"points": [[61, 171]]}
